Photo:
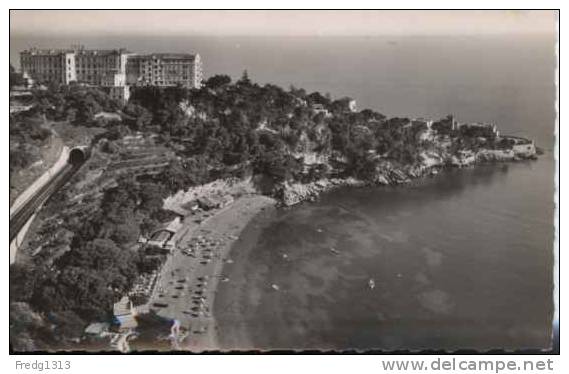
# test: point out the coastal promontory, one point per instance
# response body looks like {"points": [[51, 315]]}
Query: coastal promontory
{"points": [[170, 161]]}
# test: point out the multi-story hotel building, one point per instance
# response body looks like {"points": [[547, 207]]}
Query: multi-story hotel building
{"points": [[101, 67], [113, 70], [49, 65], [105, 68], [165, 69], [96, 67]]}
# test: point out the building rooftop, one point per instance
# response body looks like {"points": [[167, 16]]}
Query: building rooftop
{"points": [[50, 52], [101, 52], [94, 52], [168, 56]]}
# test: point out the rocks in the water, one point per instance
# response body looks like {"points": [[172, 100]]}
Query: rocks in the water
{"points": [[391, 173], [294, 193]]}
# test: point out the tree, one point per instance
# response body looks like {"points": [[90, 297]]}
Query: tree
{"points": [[151, 197], [137, 116], [86, 108], [244, 79], [86, 292], [23, 280], [361, 164], [68, 324], [317, 98], [103, 256], [16, 79], [279, 166], [20, 158], [218, 81], [126, 233]]}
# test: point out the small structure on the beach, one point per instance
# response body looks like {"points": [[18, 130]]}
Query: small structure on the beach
{"points": [[226, 200], [97, 328], [206, 203], [124, 315], [191, 206], [160, 238], [174, 225], [214, 202]]}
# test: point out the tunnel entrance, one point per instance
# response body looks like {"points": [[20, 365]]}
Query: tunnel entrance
{"points": [[77, 156]]}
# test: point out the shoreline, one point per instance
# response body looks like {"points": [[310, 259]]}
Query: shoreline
{"points": [[296, 193], [232, 332]]}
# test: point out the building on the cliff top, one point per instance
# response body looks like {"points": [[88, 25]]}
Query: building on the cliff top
{"points": [[114, 70], [346, 104], [98, 67], [165, 69], [320, 109], [49, 65], [353, 105], [488, 130], [522, 146], [421, 122]]}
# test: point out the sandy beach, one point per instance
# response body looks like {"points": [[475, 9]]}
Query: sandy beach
{"points": [[187, 285], [236, 299]]}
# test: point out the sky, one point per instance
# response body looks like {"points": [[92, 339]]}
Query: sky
{"points": [[286, 23]]}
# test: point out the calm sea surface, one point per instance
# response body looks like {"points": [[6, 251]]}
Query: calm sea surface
{"points": [[461, 260]]}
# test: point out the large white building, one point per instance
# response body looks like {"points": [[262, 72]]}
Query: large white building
{"points": [[49, 65], [101, 67], [115, 70], [98, 67], [165, 69]]}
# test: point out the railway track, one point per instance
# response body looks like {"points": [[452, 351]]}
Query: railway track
{"points": [[22, 215]]}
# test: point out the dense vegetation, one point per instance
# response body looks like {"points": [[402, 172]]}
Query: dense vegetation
{"points": [[74, 103], [16, 78], [265, 128], [27, 135]]}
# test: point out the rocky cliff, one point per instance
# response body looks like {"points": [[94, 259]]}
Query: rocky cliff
{"points": [[390, 173]]}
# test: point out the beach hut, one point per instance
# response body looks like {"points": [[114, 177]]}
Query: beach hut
{"points": [[97, 328], [124, 314], [207, 203]]}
